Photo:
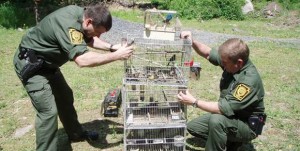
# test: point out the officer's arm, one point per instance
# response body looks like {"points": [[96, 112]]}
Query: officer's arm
{"points": [[91, 59], [211, 107], [100, 44], [202, 49], [188, 99]]}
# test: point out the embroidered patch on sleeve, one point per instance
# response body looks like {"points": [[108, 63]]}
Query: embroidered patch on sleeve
{"points": [[241, 91], [76, 37]]}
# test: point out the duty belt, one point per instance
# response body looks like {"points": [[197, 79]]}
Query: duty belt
{"points": [[33, 63]]}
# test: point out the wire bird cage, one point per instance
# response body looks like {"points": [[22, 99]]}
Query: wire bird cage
{"points": [[163, 138], [161, 24], [161, 20], [160, 62], [148, 105]]}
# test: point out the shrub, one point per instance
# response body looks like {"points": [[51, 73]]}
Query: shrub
{"points": [[14, 16], [204, 9], [183, 8], [290, 4], [8, 15], [161, 4]]}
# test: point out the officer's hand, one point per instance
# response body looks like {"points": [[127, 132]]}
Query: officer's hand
{"points": [[186, 35], [186, 98], [116, 46], [124, 52]]}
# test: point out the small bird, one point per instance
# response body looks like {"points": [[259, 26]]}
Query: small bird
{"points": [[168, 18], [172, 59]]}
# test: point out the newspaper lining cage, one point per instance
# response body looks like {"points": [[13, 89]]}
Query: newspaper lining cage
{"points": [[160, 62]]}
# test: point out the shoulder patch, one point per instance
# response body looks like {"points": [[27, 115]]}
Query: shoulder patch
{"points": [[76, 37], [241, 91]]}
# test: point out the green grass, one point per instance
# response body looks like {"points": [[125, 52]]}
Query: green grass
{"points": [[278, 64]]}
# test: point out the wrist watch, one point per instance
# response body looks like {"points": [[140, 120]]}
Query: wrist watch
{"points": [[195, 104], [110, 48]]}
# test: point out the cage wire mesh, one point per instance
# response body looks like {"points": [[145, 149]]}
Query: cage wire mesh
{"points": [[148, 104], [155, 138], [161, 62]]}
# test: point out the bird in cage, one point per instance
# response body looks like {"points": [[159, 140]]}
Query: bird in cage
{"points": [[172, 60], [168, 18]]}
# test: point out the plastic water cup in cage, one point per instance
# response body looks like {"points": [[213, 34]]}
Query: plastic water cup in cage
{"points": [[178, 141], [195, 71], [175, 116], [158, 141], [131, 142], [123, 41]]}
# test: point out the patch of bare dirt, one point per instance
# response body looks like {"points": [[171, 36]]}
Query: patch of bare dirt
{"points": [[291, 20]]}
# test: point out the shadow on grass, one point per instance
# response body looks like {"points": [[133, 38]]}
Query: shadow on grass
{"points": [[100, 126], [197, 144]]}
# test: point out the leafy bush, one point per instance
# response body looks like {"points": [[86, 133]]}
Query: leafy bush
{"points": [[183, 8], [12, 16], [204, 9], [7, 15], [291, 4], [161, 4]]}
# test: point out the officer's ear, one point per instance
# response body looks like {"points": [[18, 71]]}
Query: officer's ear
{"points": [[240, 63], [87, 22]]}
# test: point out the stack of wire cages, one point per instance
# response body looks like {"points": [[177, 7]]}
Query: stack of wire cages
{"points": [[154, 119]]}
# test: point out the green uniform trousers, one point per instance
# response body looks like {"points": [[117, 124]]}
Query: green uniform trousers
{"points": [[50, 96], [219, 131]]}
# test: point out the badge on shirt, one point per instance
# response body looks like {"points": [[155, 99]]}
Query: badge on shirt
{"points": [[76, 37], [241, 91]]}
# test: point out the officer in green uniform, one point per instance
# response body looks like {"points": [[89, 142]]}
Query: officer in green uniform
{"points": [[238, 116], [60, 37]]}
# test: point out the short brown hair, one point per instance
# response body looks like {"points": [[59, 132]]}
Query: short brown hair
{"points": [[100, 15], [235, 49]]}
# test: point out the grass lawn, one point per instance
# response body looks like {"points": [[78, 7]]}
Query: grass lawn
{"points": [[278, 64]]}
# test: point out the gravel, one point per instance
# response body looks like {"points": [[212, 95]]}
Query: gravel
{"points": [[121, 28]]}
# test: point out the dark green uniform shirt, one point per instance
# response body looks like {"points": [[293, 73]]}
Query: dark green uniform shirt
{"points": [[241, 93], [59, 37]]}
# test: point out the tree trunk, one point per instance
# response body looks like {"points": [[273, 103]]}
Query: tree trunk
{"points": [[36, 10]]}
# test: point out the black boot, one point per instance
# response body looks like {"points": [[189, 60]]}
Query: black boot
{"points": [[86, 135]]}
